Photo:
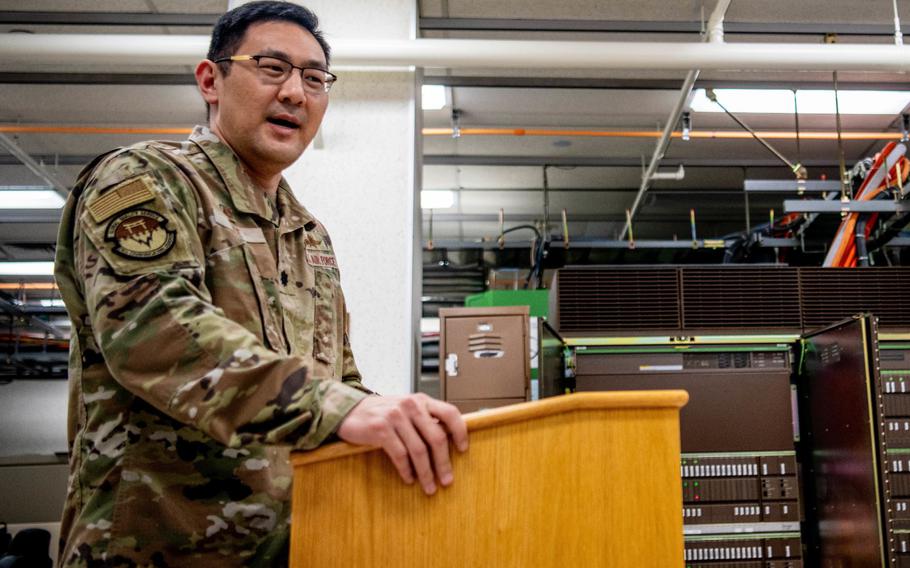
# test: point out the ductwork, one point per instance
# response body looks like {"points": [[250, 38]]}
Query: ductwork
{"points": [[27, 52]]}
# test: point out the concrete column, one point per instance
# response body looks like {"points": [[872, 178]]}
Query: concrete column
{"points": [[359, 179]]}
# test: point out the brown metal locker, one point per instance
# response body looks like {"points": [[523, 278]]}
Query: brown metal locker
{"points": [[484, 356]]}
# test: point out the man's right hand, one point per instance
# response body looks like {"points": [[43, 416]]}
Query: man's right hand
{"points": [[413, 430]]}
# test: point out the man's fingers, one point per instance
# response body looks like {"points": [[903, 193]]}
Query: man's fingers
{"points": [[397, 452], [417, 450], [451, 418], [413, 431], [438, 442]]}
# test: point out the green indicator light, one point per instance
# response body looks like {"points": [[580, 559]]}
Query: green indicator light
{"points": [[696, 484], [685, 483]]}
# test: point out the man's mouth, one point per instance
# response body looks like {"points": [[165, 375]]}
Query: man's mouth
{"points": [[285, 122]]}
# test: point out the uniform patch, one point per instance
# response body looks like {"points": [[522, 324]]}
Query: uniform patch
{"points": [[321, 259], [140, 234], [127, 194]]}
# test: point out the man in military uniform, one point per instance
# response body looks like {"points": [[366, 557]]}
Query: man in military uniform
{"points": [[210, 335]]}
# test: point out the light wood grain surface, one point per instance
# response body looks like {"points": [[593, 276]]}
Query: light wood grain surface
{"points": [[590, 479]]}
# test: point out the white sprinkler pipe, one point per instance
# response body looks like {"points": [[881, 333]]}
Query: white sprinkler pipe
{"points": [[29, 52], [679, 174], [716, 22], [715, 38], [898, 35]]}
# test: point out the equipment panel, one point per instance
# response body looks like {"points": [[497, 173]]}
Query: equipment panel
{"points": [[730, 409], [740, 485]]}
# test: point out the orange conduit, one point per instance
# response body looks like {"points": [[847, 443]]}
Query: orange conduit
{"points": [[704, 134], [709, 134], [845, 256], [28, 286]]}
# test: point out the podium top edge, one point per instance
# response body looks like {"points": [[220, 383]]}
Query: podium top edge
{"points": [[493, 417]]}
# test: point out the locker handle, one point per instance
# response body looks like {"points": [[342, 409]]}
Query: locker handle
{"points": [[452, 365]]}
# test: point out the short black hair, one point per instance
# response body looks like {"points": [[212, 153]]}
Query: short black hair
{"points": [[230, 28]]}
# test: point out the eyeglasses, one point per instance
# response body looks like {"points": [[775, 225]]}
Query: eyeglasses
{"points": [[275, 70]]}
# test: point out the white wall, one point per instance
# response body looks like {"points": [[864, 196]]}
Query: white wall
{"points": [[358, 179], [33, 418]]}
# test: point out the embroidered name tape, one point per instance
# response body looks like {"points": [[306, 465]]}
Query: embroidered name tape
{"points": [[321, 259], [127, 194]]}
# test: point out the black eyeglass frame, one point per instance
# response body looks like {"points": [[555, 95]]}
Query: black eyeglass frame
{"points": [[330, 77]]}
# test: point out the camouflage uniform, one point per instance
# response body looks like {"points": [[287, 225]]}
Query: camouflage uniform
{"points": [[209, 339]]}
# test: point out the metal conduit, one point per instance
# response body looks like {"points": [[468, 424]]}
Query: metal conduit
{"points": [[26, 51], [715, 37]]}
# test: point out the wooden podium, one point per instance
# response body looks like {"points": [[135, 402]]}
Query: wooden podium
{"points": [[588, 479]]}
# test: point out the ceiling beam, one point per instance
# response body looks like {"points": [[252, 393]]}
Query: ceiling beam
{"points": [[618, 217], [30, 216], [645, 84], [653, 27], [36, 167], [16, 312], [106, 19], [71, 160], [608, 162], [550, 189], [12, 78], [841, 207]]}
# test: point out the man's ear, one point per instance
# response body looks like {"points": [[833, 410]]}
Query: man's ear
{"points": [[205, 79]]}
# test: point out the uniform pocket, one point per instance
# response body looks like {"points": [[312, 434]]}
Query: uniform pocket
{"points": [[236, 283], [263, 274]]}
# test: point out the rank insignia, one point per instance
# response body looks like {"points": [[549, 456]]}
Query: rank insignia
{"points": [[140, 234]]}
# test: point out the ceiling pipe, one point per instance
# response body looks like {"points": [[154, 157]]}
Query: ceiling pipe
{"points": [[898, 36], [36, 168], [28, 52], [660, 149], [716, 22], [679, 174], [715, 38], [448, 132], [693, 134]]}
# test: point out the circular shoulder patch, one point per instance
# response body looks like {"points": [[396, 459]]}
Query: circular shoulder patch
{"points": [[140, 234]]}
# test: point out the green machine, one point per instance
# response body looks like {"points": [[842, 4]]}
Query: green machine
{"points": [[537, 300], [538, 303]]}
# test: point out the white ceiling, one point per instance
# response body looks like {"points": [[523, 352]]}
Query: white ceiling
{"points": [[601, 194]]}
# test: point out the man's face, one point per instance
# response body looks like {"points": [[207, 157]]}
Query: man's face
{"points": [[269, 126]]}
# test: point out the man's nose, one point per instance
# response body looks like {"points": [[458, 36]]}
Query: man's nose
{"points": [[292, 89]]}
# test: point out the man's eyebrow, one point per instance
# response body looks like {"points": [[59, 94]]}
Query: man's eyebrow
{"points": [[314, 63]]}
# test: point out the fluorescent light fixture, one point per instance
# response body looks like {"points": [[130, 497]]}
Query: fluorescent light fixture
{"points": [[433, 97], [36, 198], [780, 101], [26, 268], [52, 303], [437, 199]]}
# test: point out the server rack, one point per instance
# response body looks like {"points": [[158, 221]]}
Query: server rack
{"points": [[894, 389], [856, 396], [741, 488]]}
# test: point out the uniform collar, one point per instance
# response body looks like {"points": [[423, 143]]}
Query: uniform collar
{"points": [[293, 214], [243, 191]]}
